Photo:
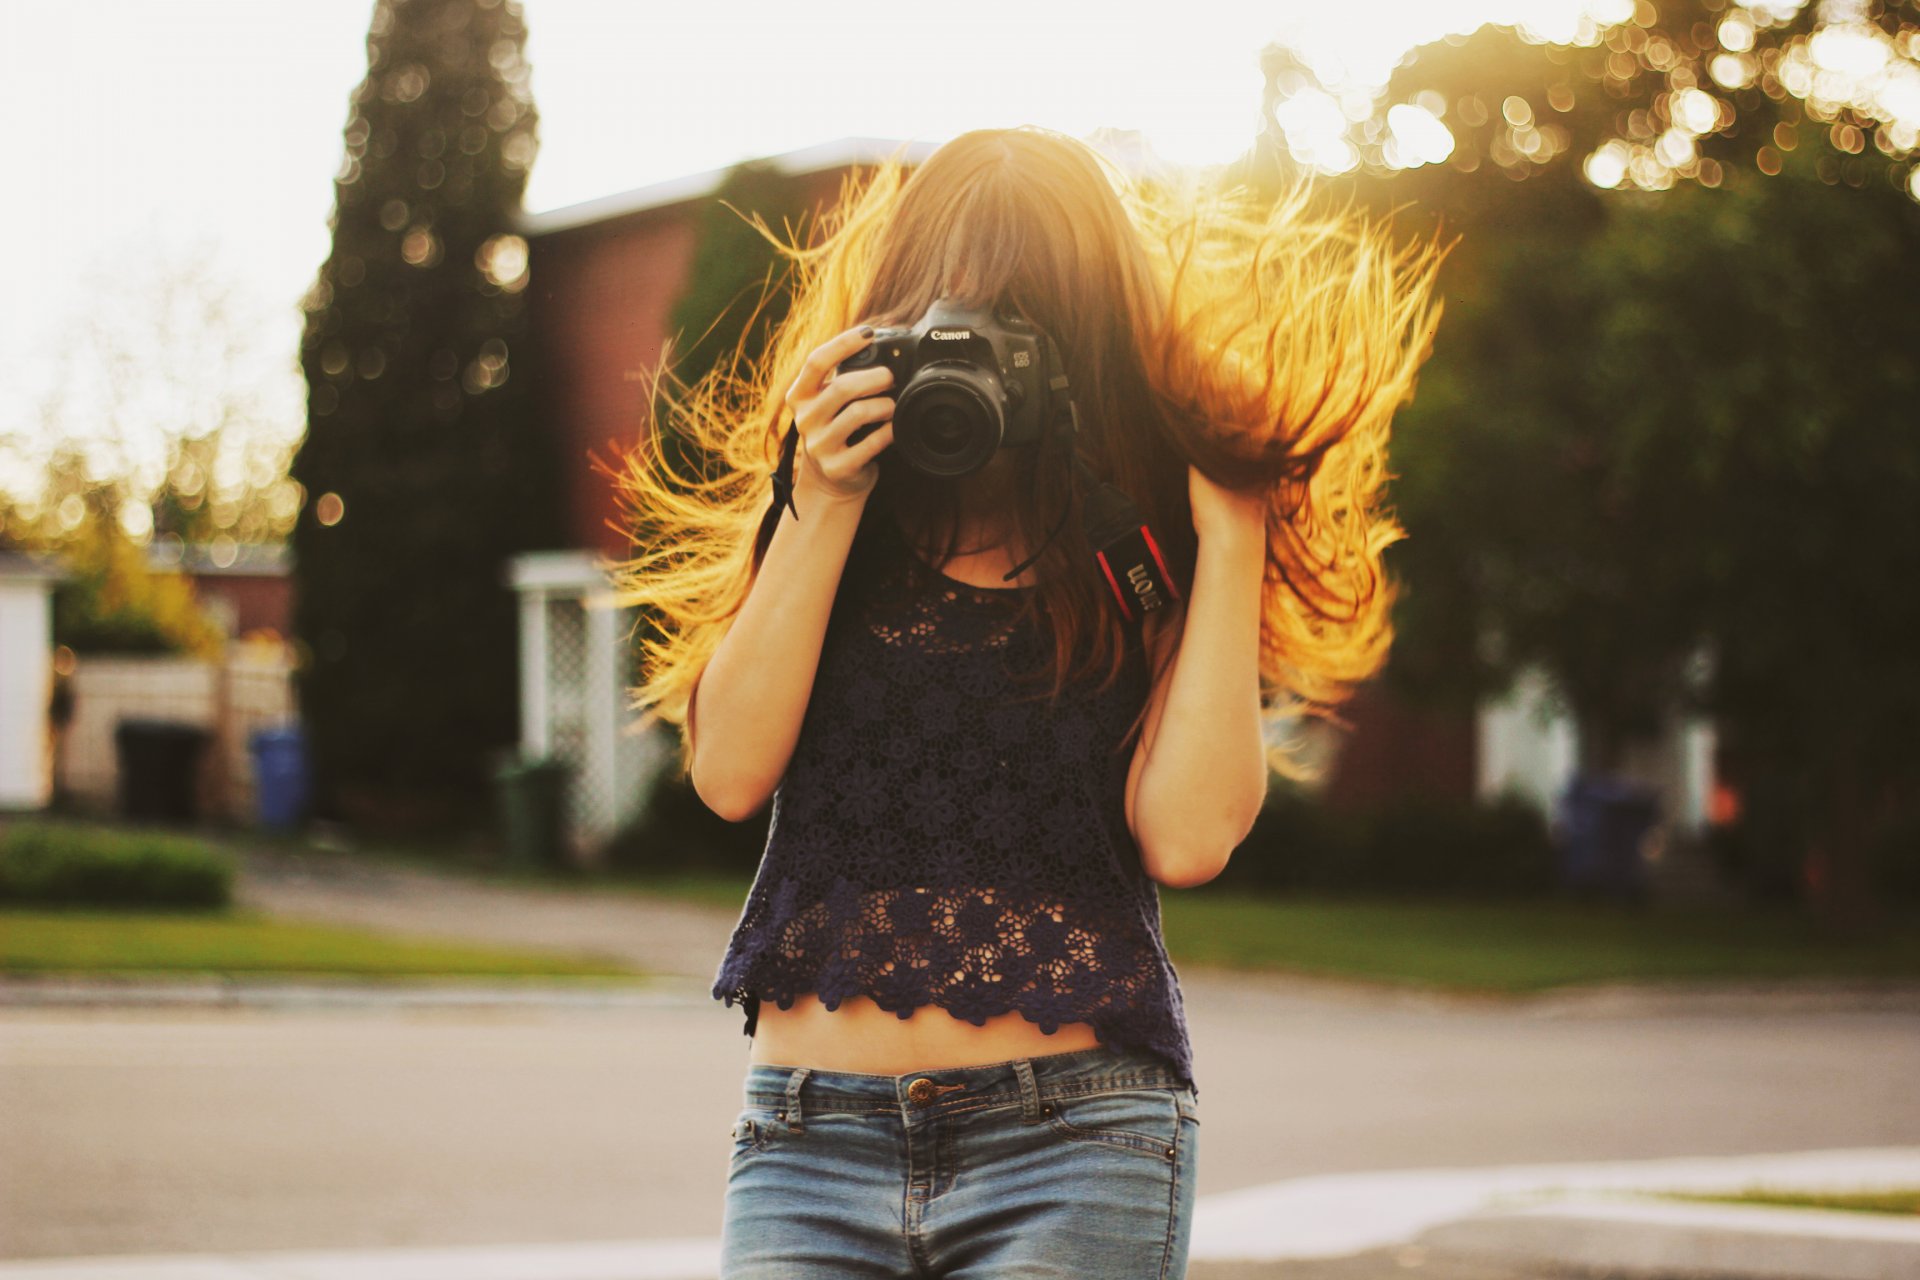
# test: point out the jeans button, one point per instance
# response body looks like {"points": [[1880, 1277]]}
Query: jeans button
{"points": [[920, 1091]]}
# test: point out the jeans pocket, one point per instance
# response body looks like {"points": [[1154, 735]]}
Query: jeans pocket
{"points": [[1143, 1122], [754, 1129]]}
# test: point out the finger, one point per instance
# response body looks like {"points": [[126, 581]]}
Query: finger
{"points": [[871, 409], [813, 374], [869, 448], [849, 387]]}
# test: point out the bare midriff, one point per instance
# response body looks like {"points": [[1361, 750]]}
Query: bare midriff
{"points": [[860, 1036]]}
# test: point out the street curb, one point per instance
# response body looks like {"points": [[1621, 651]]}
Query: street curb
{"points": [[152, 991], [1630, 1238], [1597, 1001]]}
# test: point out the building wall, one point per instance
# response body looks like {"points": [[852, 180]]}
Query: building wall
{"points": [[1397, 750], [247, 602], [599, 301], [26, 685]]}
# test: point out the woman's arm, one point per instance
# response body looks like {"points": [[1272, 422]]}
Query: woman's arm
{"points": [[754, 692], [1199, 773]]}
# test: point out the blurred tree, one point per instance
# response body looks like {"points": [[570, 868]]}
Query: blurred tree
{"points": [[1778, 453], [737, 292], [1631, 392], [1684, 430], [113, 600], [172, 402], [1679, 90], [424, 466]]}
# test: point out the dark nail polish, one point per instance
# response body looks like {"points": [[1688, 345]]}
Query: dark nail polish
{"points": [[866, 331]]}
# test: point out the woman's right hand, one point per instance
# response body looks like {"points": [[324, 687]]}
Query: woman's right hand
{"points": [[828, 408]]}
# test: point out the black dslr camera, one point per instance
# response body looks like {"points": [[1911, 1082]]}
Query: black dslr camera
{"points": [[965, 384]]}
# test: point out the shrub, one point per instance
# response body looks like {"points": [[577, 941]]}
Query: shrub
{"points": [[1412, 845], [679, 833], [55, 864]]}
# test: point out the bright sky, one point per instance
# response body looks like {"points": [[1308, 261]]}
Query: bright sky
{"points": [[205, 133]]}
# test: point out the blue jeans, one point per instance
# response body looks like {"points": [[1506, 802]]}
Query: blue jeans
{"points": [[1062, 1165]]}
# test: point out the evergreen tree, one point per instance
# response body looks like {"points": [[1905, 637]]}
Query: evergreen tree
{"points": [[424, 466]]}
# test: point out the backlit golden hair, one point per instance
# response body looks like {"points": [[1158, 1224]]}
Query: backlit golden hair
{"points": [[1267, 344]]}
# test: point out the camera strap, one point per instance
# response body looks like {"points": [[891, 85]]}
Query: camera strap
{"points": [[1124, 547]]}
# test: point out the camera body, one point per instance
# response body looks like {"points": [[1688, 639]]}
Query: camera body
{"points": [[966, 383]]}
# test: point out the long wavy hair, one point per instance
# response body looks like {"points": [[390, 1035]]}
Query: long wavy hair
{"points": [[1267, 343]]}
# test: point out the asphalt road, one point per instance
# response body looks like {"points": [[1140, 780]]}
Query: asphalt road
{"points": [[160, 1130], [145, 1131]]}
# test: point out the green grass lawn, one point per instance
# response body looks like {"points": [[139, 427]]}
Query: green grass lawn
{"points": [[50, 942], [1491, 946], [1476, 946], [1904, 1202], [1518, 946]]}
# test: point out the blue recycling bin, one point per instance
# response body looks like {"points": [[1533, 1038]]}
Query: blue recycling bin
{"points": [[280, 786], [1603, 822]]}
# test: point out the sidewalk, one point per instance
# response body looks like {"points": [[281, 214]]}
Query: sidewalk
{"points": [[1526, 1222], [658, 935], [1580, 1217], [1660, 1238]]}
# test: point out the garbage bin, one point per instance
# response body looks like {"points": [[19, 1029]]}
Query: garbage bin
{"points": [[280, 786], [1603, 821], [532, 795], [159, 768]]}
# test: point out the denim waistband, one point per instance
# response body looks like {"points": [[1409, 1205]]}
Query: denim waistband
{"points": [[1101, 1069]]}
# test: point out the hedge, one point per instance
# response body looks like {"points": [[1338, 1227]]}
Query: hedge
{"points": [[45, 863]]}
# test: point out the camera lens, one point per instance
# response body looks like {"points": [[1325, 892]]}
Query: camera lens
{"points": [[944, 429], [947, 421]]}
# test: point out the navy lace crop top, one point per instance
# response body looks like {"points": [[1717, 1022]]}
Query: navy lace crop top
{"points": [[944, 837]]}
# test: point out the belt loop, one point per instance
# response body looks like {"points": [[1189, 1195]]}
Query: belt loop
{"points": [[1029, 1091], [793, 1098]]}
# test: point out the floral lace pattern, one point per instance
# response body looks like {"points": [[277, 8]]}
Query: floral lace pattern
{"points": [[945, 837]]}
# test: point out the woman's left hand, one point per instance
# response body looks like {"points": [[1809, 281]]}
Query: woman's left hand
{"points": [[1222, 512]]}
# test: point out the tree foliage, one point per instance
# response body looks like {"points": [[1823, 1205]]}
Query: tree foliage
{"points": [[112, 599], [1678, 91], [424, 465], [737, 290], [735, 294], [1664, 450], [171, 407]]}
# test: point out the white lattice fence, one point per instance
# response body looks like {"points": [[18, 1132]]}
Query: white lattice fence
{"points": [[575, 668]]}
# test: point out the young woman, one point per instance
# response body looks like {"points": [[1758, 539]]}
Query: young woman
{"points": [[969, 1054]]}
